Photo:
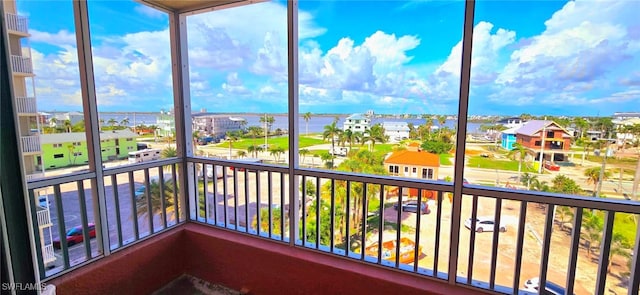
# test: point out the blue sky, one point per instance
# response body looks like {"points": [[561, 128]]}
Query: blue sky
{"points": [[539, 57]]}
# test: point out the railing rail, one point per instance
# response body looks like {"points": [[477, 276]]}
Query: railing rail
{"points": [[21, 64], [31, 144], [44, 220], [26, 105], [17, 23]]}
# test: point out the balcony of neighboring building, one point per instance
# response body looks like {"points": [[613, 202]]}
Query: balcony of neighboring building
{"points": [[31, 144], [26, 106], [21, 66], [17, 25]]}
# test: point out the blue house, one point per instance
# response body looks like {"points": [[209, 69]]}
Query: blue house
{"points": [[508, 138]]}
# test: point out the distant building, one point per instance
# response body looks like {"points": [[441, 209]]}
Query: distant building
{"points": [[166, 124], [357, 123], [216, 125], [396, 131], [69, 149], [620, 116], [60, 118], [508, 138], [512, 122], [623, 137], [370, 114], [413, 163]]}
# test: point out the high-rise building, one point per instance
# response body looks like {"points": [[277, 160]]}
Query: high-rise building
{"points": [[28, 123], [24, 89]]}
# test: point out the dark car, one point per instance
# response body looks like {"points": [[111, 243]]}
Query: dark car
{"points": [[413, 207], [74, 235]]}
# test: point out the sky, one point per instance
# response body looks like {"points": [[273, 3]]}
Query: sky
{"points": [[577, 58]]}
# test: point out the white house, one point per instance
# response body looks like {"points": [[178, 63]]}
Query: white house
{"points": [[396, 131], [216, 125], [357, 123]]}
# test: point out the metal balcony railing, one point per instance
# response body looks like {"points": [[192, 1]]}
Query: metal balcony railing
{"points": [[409, 225], [17, 23], [34, 176], [44, 220], [21, 64], [26, 105], [131, 191], [31, 144]]}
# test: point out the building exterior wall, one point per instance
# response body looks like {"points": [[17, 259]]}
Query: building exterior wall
{"points": [[407, 170], [534, 142], [357, 123], [507, 141], [57, 155], [216, 125]]}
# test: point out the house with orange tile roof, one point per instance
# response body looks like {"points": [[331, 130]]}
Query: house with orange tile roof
{"points": [[413, 163]]}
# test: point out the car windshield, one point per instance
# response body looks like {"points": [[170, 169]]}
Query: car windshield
{"points": [[74, 231]]}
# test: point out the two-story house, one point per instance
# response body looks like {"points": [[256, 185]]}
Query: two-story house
{"points": [[357, 123], [555, 138]]}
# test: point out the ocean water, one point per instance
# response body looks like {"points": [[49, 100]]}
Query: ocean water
{"points": [[316, 123]]}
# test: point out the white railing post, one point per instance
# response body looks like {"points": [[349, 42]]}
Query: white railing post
{"points": [[17, 23], [30, 144], [26, 104], [21, 64]]}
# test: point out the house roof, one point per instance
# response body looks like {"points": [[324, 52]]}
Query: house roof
{"points": [[512, 130], [80, 136], [395, 126], [532, 127], [417, 158], [357, 117]]}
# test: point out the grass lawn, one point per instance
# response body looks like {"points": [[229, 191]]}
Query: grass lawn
{"points": [[445, 159], [282, 142], [488, 163], [625, 224], [611, 160]]}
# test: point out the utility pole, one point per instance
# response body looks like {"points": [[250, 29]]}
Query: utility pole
{"points": [[544, 133]]}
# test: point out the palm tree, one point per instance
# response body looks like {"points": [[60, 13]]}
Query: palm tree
{"points": [[563, 212], [327, 159], [592, 224], [112, 122], [428, 124], [593, 176], [254, 131], [619, 246], [254, 150], [307, 117], [350, 137], [331, 131], [375, 133], [231, 137], [67, 125], [303, 153], [276, 152], [241, 154], [169, 152], [53, 122], [527, 179], [124, 122], [520, 152]]}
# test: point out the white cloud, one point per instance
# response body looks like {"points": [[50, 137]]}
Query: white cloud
{"points": [[149, 12], [61, 38]]}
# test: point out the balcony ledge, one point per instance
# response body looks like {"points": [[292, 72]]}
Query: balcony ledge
{"points": [[240, 262]]}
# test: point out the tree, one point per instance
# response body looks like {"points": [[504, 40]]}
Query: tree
{"points": [[241, 154], [327, 159], [441, 120], [276, 152], [592, 224], [254, 131], [169, 152], [519, 152], [351, 137], [72, 152], [527, 178], [303, 153], [331, 131], [307, 117], [231, 137], [113, 123], [427, 126], [124, 122], [565, 185], [268, 122], [67, 125], [436, 147], [373, 134], [620, 247], [563, 213], [156, 200], [593, 176], [78, 127], [254, 150]]}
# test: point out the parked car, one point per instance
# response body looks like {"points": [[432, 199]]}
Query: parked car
{"points": [[413, 207], [140, 192], [74, 236], [533, 284], [485, 224]]}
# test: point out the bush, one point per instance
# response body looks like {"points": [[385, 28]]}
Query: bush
{"points": [[436, 147]]}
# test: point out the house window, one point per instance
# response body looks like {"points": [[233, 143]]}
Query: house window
{"points": [[77, 143], [129, 139], [537, 143], [77, 154], [427, 173], [57, 156], [57, 145], [550, 134], [390, 169], [406, 169], [414, 170]]}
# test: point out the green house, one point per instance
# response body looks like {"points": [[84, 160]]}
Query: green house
{"points": [[70, 149]]}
